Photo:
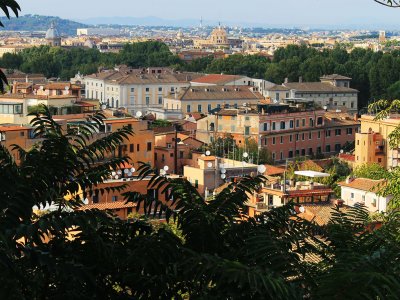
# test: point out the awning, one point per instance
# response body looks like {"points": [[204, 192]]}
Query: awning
{"points": [[312, 174]]}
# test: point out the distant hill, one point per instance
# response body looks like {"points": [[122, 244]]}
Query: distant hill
{"points": [[41, 23]]}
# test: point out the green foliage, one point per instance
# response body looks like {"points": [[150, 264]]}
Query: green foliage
{"points": [[160, 123], [371, 171], [207, 250]]}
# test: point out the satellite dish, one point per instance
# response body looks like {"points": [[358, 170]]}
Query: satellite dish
{"points": [[119, 172], [162, 172], [166, 168], [302, 209], [86, 201], [223, 176], [261, 169], [341, 151], [129, 174], [126, 171], [209, 164], [103, 106], [139, 114], [223, 171], [208, 153], [116, 177], [132, 170], [113, 173], [67, 88], [245, 155]]}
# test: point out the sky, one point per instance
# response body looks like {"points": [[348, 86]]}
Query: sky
{"points": [[339, 13]]}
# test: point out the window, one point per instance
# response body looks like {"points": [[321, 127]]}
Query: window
{"points": [[159, 99], [311, 122], [277, 96], [180, 154], [233, 128], [188, 108], [281, 139], [297, 137], [282, 155], [148, 146], [303, 137], [155, 156], [147, 90], [328, 148], [297, 123], [290, 155], [319, 134], [172, 89], [283, 125], [273, 126], [196, 183], [338, 131], [310, 135], [247, 130], [297, 152], [199, 107], [22, 133], [310, 152], [352, 104], [290, 138], [328, 133], [352, 196], [162, 157], [265, 126], [319, 121], [132, 90], [247, 118], [273, 141], [160, 89], [319, 150], [131, 148], [291, 124], [273, 155], [373, 203], [138, 147], [171, 155], [337, 147], [363, 198], [303, 122], [114, 198], [95, 197], [209, 107], [349, 131], [147, 100]]}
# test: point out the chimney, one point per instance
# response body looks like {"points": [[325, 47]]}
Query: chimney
{"points": [[349, 179], [286, 80], [300, 79], [14, 88]]}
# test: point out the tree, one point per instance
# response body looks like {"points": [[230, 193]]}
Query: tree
{"points": [[389, 3], [371, 171]]}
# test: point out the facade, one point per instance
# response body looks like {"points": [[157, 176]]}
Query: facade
{"points": [[204, 99], [164, 153], [364, 191], [132, 89], [372, 143], [210, 172], [284, 130], [333, 91]]}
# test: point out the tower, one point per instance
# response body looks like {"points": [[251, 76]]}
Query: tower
{"points": [[52, 37], [382, 36]]}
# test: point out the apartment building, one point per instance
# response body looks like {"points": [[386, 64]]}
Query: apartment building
{"points": [[205, 99], [372, 142], [284, 130], [134, 89]]}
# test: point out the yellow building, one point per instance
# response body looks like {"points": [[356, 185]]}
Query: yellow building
{"points": [[372, 143]]}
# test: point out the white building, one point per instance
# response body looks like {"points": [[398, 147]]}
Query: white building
{"points": [[364, 191], [98, 32], [132, 89]]}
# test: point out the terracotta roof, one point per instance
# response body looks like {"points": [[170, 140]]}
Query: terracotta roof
{"points": [[108, 205], [310, 165], [320, 213], [272, 170], [126, 120], [364, 184], [145, 79], [218, 79], [305, 193], [13, 128], [207, 158], [347, 157], [278, 88], [318, 87]]}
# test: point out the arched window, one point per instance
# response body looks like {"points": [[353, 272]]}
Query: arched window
{"points": [[117, 103], [108, 102], [112, 102]]}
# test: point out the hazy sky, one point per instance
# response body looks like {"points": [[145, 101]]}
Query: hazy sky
{"points": [[288, 12]]}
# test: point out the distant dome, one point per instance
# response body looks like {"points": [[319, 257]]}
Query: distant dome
{"points": [[219, 31], [52, 33], [219, 36]]}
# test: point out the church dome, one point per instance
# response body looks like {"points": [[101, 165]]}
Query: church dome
{"points": [[52, 32]]}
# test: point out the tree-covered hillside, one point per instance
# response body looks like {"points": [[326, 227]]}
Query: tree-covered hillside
{"points": [[41, 23]]}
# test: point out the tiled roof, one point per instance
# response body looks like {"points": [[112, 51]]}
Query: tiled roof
{"points": [[108, 205], [145, 79], [278, 88], [316, 87], [320, 213], [207, 158], [272, 170], [310, 165], [335, 77], [347, 157], [219, 93], [218, 79], [305, 193], [13, 128], [364, 184]]}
